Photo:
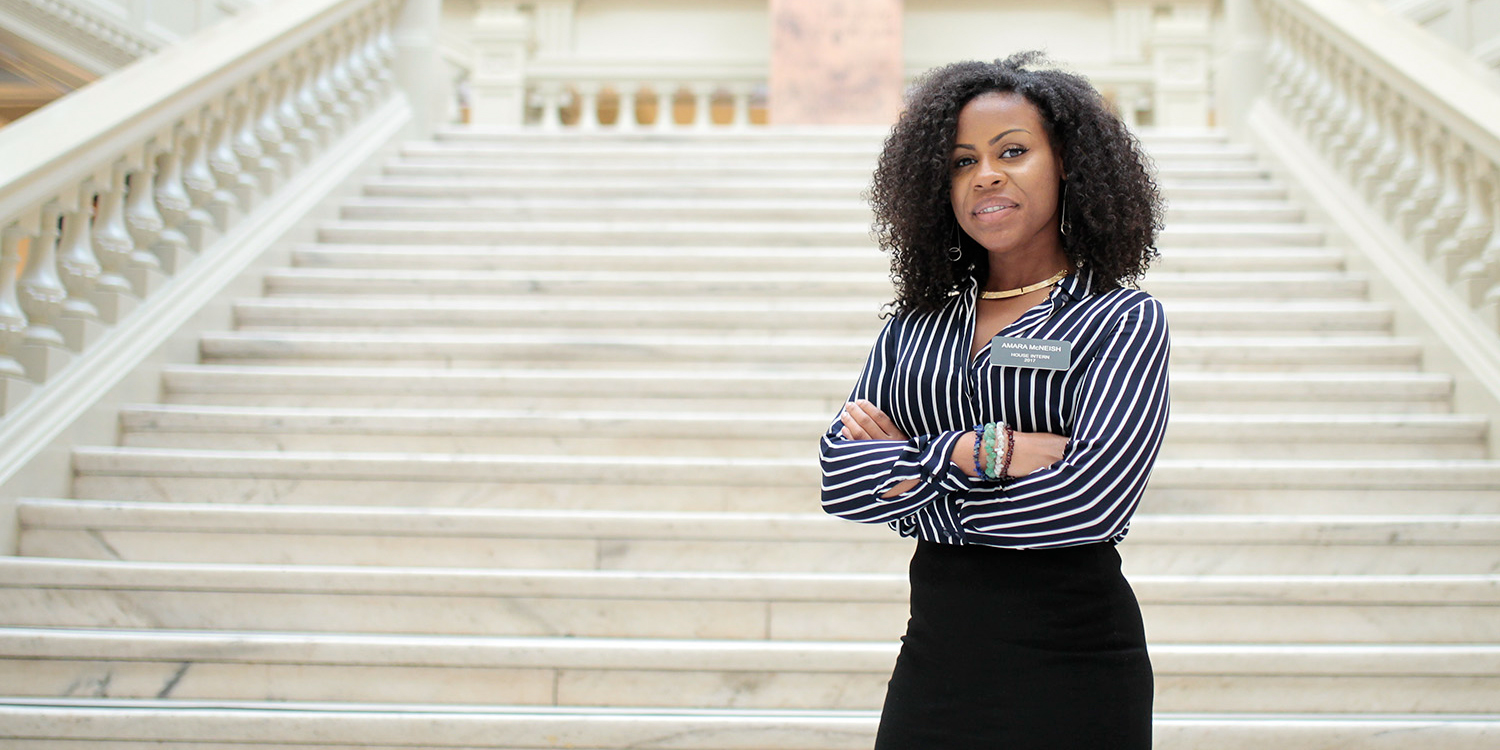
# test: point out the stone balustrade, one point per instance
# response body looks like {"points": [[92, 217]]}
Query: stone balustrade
{"points": [[105, 205], [1422, 151], [592, 95]]}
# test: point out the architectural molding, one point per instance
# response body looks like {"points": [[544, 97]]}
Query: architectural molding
{"points": [[94, 42]]}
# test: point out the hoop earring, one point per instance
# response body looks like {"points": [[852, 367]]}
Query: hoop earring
{"points": [[956, 253], [1065, 224]]}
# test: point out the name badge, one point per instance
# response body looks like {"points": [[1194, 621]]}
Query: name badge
{"points": [[1043, 354]]}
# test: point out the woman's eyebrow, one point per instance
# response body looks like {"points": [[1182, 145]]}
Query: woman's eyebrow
{"points": [[996, 138]]}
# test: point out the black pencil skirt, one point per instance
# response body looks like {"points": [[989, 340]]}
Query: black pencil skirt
{"points": [[1019, 649]]}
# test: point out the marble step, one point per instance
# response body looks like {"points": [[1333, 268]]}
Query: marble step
{"points": [[746, 542], [846, 189], [713, 605], [707, 483], [749, 172], [867, 287], [821, 390], [798, 234], [801, 259], [870, 136], [624, 348], [836, 151], [717, 433], [87, 724], [744, 314], [696, 674], [629, 207]]}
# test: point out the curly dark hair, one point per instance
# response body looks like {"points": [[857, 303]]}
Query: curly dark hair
{"points": [[1114, 206]]}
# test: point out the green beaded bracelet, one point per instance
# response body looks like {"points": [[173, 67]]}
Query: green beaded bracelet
{"points": [[991, 441]]}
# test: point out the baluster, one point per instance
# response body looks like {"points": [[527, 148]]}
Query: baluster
{"points": [[1429, 187], [550, 95], [206, 216], [385, 48], [1319, 109], [371, 78], [116, 292], [298, 141], [331, 104], [1408, 169], [343, 83], [280, 152], [43, 348], [14, 386], [1436, 226], [234, 194], [588, 105], [1278, 60], [1373, 173], [1332, 106], [78, 269], [740, 94], [1456, 251], [1299, 80], [703, 105], [316, 102], [359, 68], [144, 222], [247, 142], [172, 203], [1480, 274], [627, 117], [666, 106], [317, 126], [1350, 116], [240, 121]]}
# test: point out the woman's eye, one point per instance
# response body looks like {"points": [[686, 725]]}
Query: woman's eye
{"points": [[962, 161], [1012, 151]]}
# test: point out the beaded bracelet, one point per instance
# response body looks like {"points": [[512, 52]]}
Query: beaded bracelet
{"points": [[991, 440], [978, 466], [1010, 449]]}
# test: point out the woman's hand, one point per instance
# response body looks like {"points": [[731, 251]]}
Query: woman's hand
{"points": [[865, 421], [1036, 450]]}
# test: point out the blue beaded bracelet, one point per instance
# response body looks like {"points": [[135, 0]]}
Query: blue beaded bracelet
{"points": [[978, 436]]}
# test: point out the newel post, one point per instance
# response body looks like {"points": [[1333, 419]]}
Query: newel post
{"points": [[417, 65], [1241, 68], [501, 35], [1181, 43]]}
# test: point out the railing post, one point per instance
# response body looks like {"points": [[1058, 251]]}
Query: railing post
{"points": [[78, 269], [499, 81], [1180, 58]]}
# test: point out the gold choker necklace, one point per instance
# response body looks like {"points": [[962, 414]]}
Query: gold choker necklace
{"points": [[1008, 293]]}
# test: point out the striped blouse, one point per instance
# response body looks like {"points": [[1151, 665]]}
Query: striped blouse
{"points": [[1111, 402]]}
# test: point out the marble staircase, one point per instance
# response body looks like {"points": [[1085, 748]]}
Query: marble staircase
{"points": [[520, 454]]}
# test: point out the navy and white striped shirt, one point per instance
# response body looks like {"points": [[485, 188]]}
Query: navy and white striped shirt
{"points": [[1111, 402]]}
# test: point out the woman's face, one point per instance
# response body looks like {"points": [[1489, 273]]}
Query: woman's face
{"points": [[1005, 176]]}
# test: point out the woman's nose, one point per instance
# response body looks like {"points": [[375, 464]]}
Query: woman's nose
{"points": [[987, 175]]}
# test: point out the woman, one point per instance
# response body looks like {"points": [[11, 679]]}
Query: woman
{"points": [[1010, 411]]}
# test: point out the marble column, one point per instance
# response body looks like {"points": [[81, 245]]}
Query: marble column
{"points": [[835, 62]]}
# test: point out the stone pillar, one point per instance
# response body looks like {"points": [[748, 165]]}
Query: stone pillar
{"points": [[498, 84], [554, 28], [1180, 60], [835, 62], [417, 64], [1241, 67]]}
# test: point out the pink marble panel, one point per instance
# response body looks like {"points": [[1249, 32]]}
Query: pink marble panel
{"points": [[835, 62]]}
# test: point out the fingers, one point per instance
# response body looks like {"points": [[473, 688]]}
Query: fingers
{"points": [[865, 421]]}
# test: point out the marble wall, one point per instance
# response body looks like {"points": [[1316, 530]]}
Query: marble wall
{"points": [[835, 62]]}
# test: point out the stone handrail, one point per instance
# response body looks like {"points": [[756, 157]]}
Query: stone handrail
{"points": [[1408, 124], [554, 86], [117, 202]]}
